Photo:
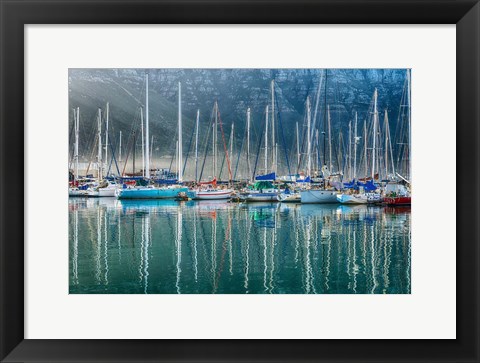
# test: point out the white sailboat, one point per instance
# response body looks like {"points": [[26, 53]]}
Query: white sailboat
{"points": [[209, 190], [263, 190], [319, 195], [363, 196], [104, 188], [74, 190]]}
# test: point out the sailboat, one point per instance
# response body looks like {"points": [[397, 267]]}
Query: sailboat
{"points": [[209, 190], [321, 194], [367, 191], [75, 189], [151, 192], [289, 196], [397, 193], [104, 188], [263, 190]]}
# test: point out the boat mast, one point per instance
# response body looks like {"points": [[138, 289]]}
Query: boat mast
{"points": [[134, 150], [151, 155], [196, 145], [365, 147], [180, 157], [266, 140], [248, 143], [298, 149], [375, 115], [309, 143], [409, 121], [77, 129], [99, 130], [317, 150], [143, 142], [215, 107], [386, 143], [120, 148], [355, 149], [389, 143], [147, 146], [106, 134], [350, 150], [176, 158], [330, 166], [274, 145], [231, 151]]}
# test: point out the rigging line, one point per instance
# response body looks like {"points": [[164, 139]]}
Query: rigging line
{"points": [[224, 145], [207, 145], [174, 154], [304, 131], [258, 153], [239, 153], [325, 122], [282, 133], [223, 162], [113, 144], [71, 136], [188, 151], [91, 157], [131, 140]]}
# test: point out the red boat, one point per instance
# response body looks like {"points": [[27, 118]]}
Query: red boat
{"points": [[398, 200]]}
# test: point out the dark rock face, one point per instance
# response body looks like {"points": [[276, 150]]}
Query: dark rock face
{"points": [[347, 91]]}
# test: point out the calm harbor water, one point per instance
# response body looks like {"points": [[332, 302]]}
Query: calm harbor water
{"points": [[205, 247]]}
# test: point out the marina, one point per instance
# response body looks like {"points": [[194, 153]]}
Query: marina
{"points": [[254, 204]]}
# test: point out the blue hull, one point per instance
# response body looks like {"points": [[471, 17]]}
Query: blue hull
{"points": [[150, 193]]}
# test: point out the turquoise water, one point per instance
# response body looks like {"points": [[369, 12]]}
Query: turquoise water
{"points": [[210, 247]]}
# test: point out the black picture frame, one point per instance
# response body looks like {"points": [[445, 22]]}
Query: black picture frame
{"points": [[16, 14]]}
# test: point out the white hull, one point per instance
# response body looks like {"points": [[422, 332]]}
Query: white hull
{"points": [[289, 198], [102, 192], [212, 194], [76, 193], [352, 198], [318, 196]]}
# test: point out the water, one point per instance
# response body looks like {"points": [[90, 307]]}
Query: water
{"points": [[169, 247]]}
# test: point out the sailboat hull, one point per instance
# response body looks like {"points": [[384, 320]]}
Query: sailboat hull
{"points": [[212, 194], [352, 198], [262, 197], [76, 193], [318, 196], [289, 198], [150, 193], [398, 200]]}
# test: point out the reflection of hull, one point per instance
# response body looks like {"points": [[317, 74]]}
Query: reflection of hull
{"points": [[398, 200], [262, 197], [150, 193], [289, 198], [318, 196], [352, 198], [167, 206], [76, 193], [308, 210], [208, 205], [212, 194], [102, 192]]}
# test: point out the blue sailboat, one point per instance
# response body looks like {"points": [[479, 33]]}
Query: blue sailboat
{"points": [[152, 192]]}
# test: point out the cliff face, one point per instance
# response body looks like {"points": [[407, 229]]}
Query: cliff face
{"points": [[347, 91]]}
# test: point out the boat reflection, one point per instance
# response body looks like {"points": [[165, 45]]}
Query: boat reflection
{"points": [[165, 246]]}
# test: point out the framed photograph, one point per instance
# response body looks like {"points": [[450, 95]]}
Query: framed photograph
{"points": [[247, 181]]}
